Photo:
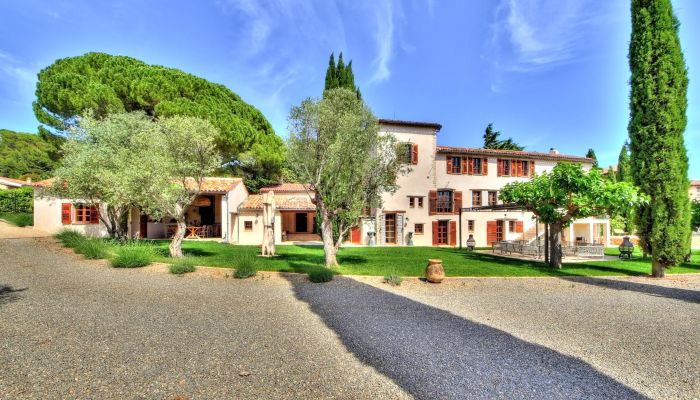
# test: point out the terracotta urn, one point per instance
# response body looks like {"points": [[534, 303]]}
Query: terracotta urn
{"points": [[434, 272]]}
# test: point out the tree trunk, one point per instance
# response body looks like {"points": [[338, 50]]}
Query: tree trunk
{"points": [[555, 252], [658, 270], [327, 235], [176, 243]]}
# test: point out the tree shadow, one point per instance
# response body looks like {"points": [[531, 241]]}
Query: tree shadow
{"points": [[8, 294], [688, 295], [432, 353]]}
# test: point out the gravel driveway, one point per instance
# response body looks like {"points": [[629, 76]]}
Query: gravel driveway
{"points": [[71, 328]]}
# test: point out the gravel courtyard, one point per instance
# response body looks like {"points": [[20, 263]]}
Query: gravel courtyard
{"points": [[71, 328]]}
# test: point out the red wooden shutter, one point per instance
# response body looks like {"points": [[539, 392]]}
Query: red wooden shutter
{"points": [[500, 167], [449, 164], [435, 233], [457, 202], [432, 202], [465, 165], [95, 214], [491, 232], [485, 166], [66, 213], [518, 226], [532, 168], [470, 166], [453, 233], [414, 154]]}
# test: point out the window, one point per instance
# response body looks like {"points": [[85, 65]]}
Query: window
{"points": [[470, 225], [506, 167], [420, 202], [511, 226], [456, 165], [248, 225], [476, 162], [525, 168], [86, 214], [418, 229], [493, 198], [411, 201], [407, 153], [476, 198], [444, 201]]}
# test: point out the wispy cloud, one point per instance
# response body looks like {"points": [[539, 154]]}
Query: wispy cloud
{"points": [[384, 40], [14, 68], [533, 35]]}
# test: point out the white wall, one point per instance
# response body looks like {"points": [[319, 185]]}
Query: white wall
{"points": [[47, 217]]}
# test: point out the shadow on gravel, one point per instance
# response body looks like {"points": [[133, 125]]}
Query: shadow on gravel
{"points": [[432, 354], [8, 294], [691, 296]]}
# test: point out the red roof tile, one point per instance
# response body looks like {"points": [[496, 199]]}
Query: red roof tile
{"points": [[286, 188], [215, 184], [284, 203], [513, 153]]}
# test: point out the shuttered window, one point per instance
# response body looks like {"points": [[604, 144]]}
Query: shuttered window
{"points": [[444, 201]]}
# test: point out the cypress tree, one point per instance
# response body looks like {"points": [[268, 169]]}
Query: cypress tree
{"points": [[331, 75], [591, 154], [340, 75], [658, 103], [623, 165]]}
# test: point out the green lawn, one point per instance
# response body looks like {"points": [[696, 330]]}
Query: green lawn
{"points": [[19, 219], [409, 261]]}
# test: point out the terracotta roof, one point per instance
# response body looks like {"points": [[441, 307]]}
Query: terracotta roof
{"points": [[13, 181], [211, 185], [433, 125], [514, 153], [284, 203], [695, 183], [286, 188], [216, 184]]}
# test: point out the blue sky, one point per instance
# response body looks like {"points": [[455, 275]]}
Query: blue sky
{"points": [[550, 73]]}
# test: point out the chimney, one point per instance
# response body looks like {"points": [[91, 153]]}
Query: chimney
{"points": [[552, 150]]}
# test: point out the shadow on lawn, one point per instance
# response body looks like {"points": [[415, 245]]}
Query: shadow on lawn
{"points": [[691, 296], [432, 353], [8, 294]]}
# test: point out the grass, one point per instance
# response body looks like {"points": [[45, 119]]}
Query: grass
{"points": [[70, 238], [133, 255], [19, 219], [246, 266], [393, 280], [320, 275], [92, 248], [182, 266], [384, 261]]}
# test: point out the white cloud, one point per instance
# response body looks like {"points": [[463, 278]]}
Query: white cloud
{"points": [[384, 40], [539, 34], [15, 69]]}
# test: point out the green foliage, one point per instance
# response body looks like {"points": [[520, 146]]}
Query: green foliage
{"points": [[591, 154], [110, 84], [658, 104], [21, 219], [321, 275], [133, 255], [695, 211], [624, 174], [25, 155], [17, 201], [491, 140], [70, 238], [567, 193], [335, 146], [92, 248], [182, 266], [393, 280], [340, 76], [246, 266]]}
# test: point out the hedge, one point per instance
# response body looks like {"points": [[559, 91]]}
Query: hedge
{"points": [[13, 201]]}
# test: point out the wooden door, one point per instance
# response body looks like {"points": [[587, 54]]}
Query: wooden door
{"points": [[300, 223], [500, 230], [355, 236], [390, 228], [442, 232], [491, 236]]}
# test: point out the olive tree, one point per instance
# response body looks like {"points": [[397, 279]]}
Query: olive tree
{"points": [[175, 160], [101, 165], [335, 146], [566, 193]]}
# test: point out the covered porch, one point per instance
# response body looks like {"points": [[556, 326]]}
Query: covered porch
{"points": [[587, 231], [299, 226], [203, 218]]}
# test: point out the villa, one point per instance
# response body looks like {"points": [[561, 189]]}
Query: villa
{"points": [[448, 195]]}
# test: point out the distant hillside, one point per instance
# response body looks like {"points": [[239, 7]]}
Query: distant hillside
{"points": [[25, 154]]}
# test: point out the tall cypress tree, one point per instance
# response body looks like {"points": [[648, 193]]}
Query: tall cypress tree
{"points": [[340, 75], [591, 154], [658, 103], [623, 165]]}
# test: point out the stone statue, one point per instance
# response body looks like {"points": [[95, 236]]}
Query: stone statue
{"points": [[268, 242]]}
